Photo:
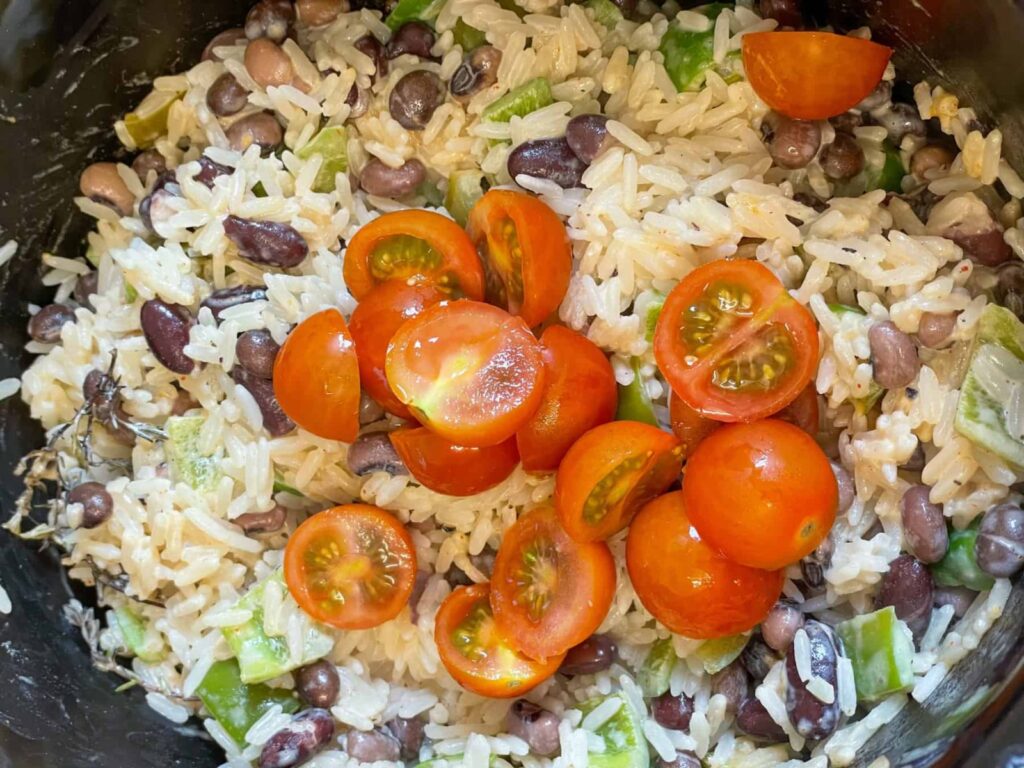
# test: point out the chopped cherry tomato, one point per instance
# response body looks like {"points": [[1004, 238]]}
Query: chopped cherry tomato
{"points": [[802, 412], [469, 371], [352, 566], [579, 394], [688, 425], [733, 344], [549, 592], [413, 245], [375, 321], [812, 75], [477, 653], [316, 377], [525, 253], [455, 470], [610, 473], [763, 494], [687, 585]]}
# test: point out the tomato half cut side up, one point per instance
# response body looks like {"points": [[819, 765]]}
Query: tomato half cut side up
{"points": [[454, 470], [352, 567], [470, 372], [375, 321], [525, 253], [417, 246], [579, 394], [733, 344], [812, 75], [611, 472], [316, 377], [476, 652]]}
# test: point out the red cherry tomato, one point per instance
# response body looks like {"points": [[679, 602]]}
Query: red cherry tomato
{"points": [[455, 470], [688, 425], [802, 412]]}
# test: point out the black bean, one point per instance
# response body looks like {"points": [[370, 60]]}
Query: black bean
{"points": [[414, 38], [847, 122], [1009, 289], [370, 46], [999, 547], [794, 143], [811, 201], [753, 719], [958, 597], [373, 452], [478, 70], [627, 7], [209, 171], [382, 180], [732, 683], [44, 326], [266, 242], [154, 207], [415, 98], [271, 19], [681, 760], [846, 487], [408, 731], [935, 328], [166, 328], [930, 157], [304, 736], [97, 506], [672, 712], [537, 727], [786, 12], [372, 746], [550, 159], [811, 717], [924, 527], [780, 626], [262, 522], [147, 161], [593, 655], [256, 352], [893, 356], [227, 37], [588, 136], [318, 684], [259, 128], [986, 247], [226, 96], [813, 566], [275, 420], [916, 461], [223, 298], [900, 120], [85, 288], [907, 587], [358, 101], [843, 158], [878, 97], [101, 183], [757, 658]]}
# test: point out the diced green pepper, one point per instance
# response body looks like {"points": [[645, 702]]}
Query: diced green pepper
{"points": [[890, 176], [959, 566], [625, 745], [689, 54], [880, 648], [92, 256], [235, 705], [651, 315], [464, 189], [413, 10], [528, 97], [634, 402], [431, 192], [187, 463], [653, 677], [845, 309], [719, 653], [142, 644], [861, 404], [130, 294], [606, 12], [258, 190], [148, 121], [280, 486], [468, 37], [332, 145]]}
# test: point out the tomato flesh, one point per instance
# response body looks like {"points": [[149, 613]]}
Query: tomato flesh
{"points": [[454, 470]]}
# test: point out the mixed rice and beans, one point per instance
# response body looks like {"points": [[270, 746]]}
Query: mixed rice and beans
{"points": [[410, 402]]}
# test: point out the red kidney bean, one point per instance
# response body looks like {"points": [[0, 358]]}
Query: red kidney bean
{"points": [[266, 242], [847, 122], [223, 298], [916, 461], [147, 161], [672, 712], [166, 328], [304, 736], [415, 98], [271, 19], [259, 128], [318, 684], [209, 171], [732, 683], [373, 452], [275, 420], [893, 356], [682, 760], [935, 328], [97, 506], [794, 143], [256, 352], [986, 247], [372, 746], [537, 727], [409, 732], [786, 12], [924, 527], [478, 70], [843, 158], [959, 597], [999, 547], [154, 207], [811, 717], [757, 658], [226, 96], [44, 326], [753, 719], [85, 288], [780, 626], [550, 159], [358, 101], [382, 180], [908, 587], [227, 37], [588, 137], [593, 655], [263, 522], [370, 46], [414, 38]]}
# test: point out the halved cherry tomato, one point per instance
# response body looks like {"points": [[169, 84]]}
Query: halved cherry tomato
{"points": [[579, 394], [732, 342], [316, 377], [812, 75], [352, 566], [477, 653], [763, 494], [413, 245], [802, 412], [525, 253], [687, 585], [470, 372], [455, 470], [688, 425], [376, 320], [549, 592], [610, 473]]}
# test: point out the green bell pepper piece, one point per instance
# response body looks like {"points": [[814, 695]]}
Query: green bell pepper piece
{"points": [[332, 145], [187, 463], [280, 486], [634, 402], [653, 677], [149, 648], [880, 648], [148, 121], [464, 189], [845, 309], [688, 54], [890, 176], [130, 294], [527, 98], [959, 566], [235, 705], [413, 10], [719, 653], [468, 37], [625, 745], [651, 315], [606, 12]]}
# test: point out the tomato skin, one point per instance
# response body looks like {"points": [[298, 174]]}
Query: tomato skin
{"points": [[574, 581], [454, 470], [496, 670], [545, 256], [459, 274], [802, 412], [316, 377], [573, 365], [714, 320], [688, 425], [631, 460], [763, 494], [374, 323], [812, 75], [338, 533]]}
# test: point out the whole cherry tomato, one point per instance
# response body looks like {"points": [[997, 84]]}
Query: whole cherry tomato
{"points": [[455, 470]]}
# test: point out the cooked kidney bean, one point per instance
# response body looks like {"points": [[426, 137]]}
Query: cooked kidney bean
{"points": [[893, 356], [373, 452], [916, 461], [753, 719], [44, 326], [794, 143], [358, 101], [958, 597], [478, 70], [780, 625], [408, 731], [268, 64], [275, 420], [318, 684], [847, 122], [147, 161], [271, 19], [935, 328], [415, 98], [85, 287], [593, 655], [370, 46], [101, 183], [682, 760], [256, 352], [223, 298], [672, 712], [227, 37], [413, 37], [263, 522], [843, 158], [166, 328], [304, 736], [811, 717], [813, 566], [999, 547], [924, 527], [1009, 290], [259, 128], [907, 587], [588, 137], [369, 410], [209, 171], [878, 97], [226, 96], [536, 726], [266, 242], [317, 13], [372, 746], [382, 180], [550, 159], [846, 487], [988, 247], [97, 506], [757, 658], [732, 683], [155, 207], [930, 157], [786, 12], [900, 120]]}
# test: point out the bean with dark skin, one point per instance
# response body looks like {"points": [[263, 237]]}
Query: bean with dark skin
{"points": [[414, 38], [935, 328], [317, 13], [370, 46], [588, 136], [672, 712], [537, 727], [226, 96], [303, 737], [222, 39], [930, 157], [415, 98], [757, 658], [223, 298], [916, 461], [786, 12], [813, 566], [275, 420], [147, 161], [101, 183], [478, 70], [999, 547], [781, 625], [794, 143], [166, 328], [210, 171], [358, 101], [259, 128], [893, 356], [97, 506], [369, 410], [900, 120], [987, 247], [85, 287], [44, 326], [155, 207], [1009, 290], [907, 587], [878, 97], [266, 242], [847, 122], [682, 760], [811, 717], [753, 719], [593, 655], [846, 487], [372, 746], [409, 732], [550, 159], [262, 522], [924, 527], [843, 158], [378, 178], [958, 597], [373, 452], [271, 19], [732, 683], [626, 7], [318, 684], [256, 351]]}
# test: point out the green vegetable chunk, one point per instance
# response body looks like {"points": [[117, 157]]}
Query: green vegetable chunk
{"points": [[959, 567], [890, 176], [413, 10], [235, 705], [145, 645], [634, 402], [653, 677], [187, 463], [689, 54], [719, 653], [651, 315], [261, 657], [130, 294], [332, 145], [468, 37], [845, 309], [880, 648], [605, 12], [624, 743], [527, 98], [148, 121], [464, 189], [280, 486]]}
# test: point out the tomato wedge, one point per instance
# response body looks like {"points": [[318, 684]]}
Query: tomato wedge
{"points": [[476, 652], [375, 321], [455, 470], [549, 592], [732, 342], [579, 394], [352, 566], [610, 473], [687, 585], [525, 253], [470, 372], [812, 75], [413, 245], [316, 377]]}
